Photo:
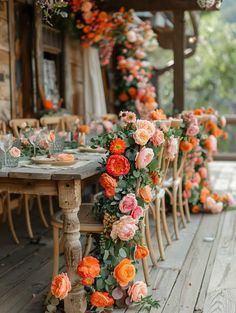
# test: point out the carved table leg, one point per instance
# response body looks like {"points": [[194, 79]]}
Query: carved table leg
{"points": [[69, 200]]}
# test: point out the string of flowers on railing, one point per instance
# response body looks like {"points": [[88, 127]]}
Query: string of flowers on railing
{"points": [[197, 187]]}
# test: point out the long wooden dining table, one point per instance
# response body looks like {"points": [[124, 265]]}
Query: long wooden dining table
{"points": [[65, 183]]}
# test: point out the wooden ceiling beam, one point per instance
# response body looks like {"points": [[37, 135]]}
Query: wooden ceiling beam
{"points": [[153, 5]]}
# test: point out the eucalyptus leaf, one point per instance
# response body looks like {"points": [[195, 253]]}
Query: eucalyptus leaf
{"points": [[122, 253]]}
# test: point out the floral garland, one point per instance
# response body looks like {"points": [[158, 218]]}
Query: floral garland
{"points": [[122, 32], [196, 186]]}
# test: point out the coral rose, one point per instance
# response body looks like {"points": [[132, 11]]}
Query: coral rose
{"points": [[61, 286], [158, 138], [203, 172], [146, 193], [124, 229], [117, 165], [137, 213], [147, 125], [141, 137], [88, 267], [117, 146], [124, 272], [185, 146], [110, 192], [143, 158], [137, 291], [128, 203], [141, 252], [101, 299], [106, 181]]}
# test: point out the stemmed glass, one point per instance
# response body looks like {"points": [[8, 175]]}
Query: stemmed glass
{"points": [[6, 142]]}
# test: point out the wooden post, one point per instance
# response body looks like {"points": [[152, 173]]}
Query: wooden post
{"points": [[70, 200], [179, 37]]}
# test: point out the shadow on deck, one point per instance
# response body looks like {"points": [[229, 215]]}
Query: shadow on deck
{"points": [[197, 276]]}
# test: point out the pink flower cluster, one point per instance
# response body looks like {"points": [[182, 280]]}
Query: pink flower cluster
{"points": [[129, 204], [124, 229]]}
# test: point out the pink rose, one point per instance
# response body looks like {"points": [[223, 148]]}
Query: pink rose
{"points": [[186, 194], [15, 152], [131, 36], [141, 137], [222, 121], [203, 172], [192, 130], [137, 291], [137, 213], [124, 229], [158, 138], [128, 203], [60, 286], [143, 158], [148, 126]]}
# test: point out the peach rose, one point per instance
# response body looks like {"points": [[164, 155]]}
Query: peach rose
{"points": [[137, 291], [143, 158], [158, 138], [61, 286], [203, 172], [124, 272], [124, 229], [15, 152], [141, 137], [148, 126], [131, 36], [128, 203], [146, 193]]}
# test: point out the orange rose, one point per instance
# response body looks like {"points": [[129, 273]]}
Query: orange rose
{"points": [[88, 267], [84, 129], [132, 92], [101, 299], [210, 110], [185, 146], [188, 185], [195, 209], [110, 192], [106, 181], [157, 115], [193, 141], [141, 252], [117, 165], [208, 144], [155, 178], [198, 111], [123, 97], [204, 194], [117, 146], [217, 132], [124, 272], [60, 286], [146, 193]]}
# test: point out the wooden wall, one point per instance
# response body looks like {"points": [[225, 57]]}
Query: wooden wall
{"points": [[5, 94]]}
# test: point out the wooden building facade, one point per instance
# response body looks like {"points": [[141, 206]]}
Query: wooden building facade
{"points": [[36, 62]]}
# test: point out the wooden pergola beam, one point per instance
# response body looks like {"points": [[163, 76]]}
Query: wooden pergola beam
{"points": [[154, 5]]}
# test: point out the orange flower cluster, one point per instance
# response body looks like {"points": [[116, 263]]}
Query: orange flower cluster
{"points": [[124, 272], [157, 114], [88, 269], [101, 299], [213, 128], [201, 111], [185, 146], [109, 184], [204, 194]]}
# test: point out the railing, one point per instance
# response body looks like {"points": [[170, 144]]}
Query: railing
{"points": [[227, 149]]}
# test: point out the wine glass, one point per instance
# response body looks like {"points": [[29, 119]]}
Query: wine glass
{"points": [[6, 142]]}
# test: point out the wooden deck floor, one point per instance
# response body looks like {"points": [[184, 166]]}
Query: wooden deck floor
{"points": [[197, 276]]}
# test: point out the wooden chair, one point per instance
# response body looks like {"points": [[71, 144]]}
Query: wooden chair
{"points": [[69, 120], [53, 122], [16, 124], [3, 128]]}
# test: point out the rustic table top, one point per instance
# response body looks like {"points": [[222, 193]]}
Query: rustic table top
{"points": [[86, 166]]}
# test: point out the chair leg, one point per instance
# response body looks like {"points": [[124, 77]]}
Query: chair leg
{"points": [[174, 212], [88, 245], [27, 216], [50, 202], [10, 219], [181, 207], [158, 229], [149, 241], [56, 245], [40, 208], [187, 211], [144, 261], [164, 221]]}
